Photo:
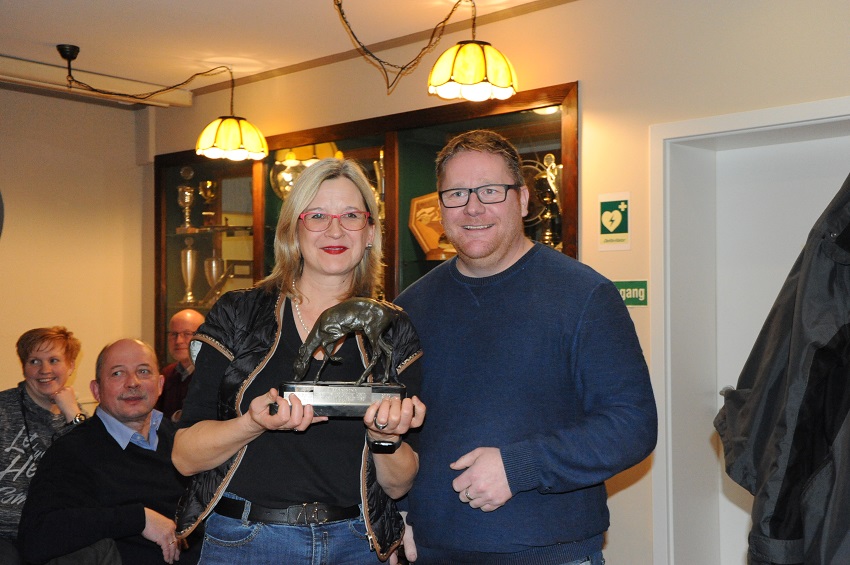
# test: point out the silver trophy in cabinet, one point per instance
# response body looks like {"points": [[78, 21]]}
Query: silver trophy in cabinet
{"points": [[188, 267]]}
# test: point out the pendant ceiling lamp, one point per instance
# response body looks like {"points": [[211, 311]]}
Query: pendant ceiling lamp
{"points": [[473, 70], [232, 137]]}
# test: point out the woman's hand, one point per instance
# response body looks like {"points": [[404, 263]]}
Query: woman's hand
{"points": [[389, 418], [66, 400], [209, 443], [289, 415]]}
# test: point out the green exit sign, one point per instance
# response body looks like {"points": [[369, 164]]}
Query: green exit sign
{"points": [[633, 292]]}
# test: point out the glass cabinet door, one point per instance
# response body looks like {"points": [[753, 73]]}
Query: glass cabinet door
{"points": [[206, 244]]}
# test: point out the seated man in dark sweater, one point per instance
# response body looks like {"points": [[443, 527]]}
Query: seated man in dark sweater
{"points": [[111, 478]]}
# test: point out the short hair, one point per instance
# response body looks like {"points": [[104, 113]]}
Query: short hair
{"points": [[287, 253], [483, 141], [98, 364], [35, 339]]}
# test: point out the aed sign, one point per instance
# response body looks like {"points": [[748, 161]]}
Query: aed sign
{"points": [[633, 292], [614, 221]]}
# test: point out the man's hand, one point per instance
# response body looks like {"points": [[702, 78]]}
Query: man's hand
{"points": [[161, 531], [484, 483], [407, 544]]}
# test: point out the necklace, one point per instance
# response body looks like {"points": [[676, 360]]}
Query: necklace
{"points": [[298, 312], [300, 319]]}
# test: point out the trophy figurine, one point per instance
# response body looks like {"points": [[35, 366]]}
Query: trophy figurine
{"points": [[208, 190], [188, 265], [375, 319], [185, 198]]}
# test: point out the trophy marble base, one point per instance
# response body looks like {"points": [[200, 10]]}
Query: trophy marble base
{"points": [[332, 398]]}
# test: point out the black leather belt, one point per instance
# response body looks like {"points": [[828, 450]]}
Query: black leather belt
{"points": [[306, 513]]}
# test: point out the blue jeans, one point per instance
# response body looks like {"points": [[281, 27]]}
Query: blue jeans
{"points": [[229, 541], [428, 556]]}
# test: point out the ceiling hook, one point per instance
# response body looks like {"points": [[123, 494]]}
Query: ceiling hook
{"points": [[69, 53]]}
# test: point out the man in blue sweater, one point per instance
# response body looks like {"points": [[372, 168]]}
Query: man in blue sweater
{"points": [[536, 385]]}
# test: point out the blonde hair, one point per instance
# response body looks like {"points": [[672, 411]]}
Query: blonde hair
{"points": [[287, 252]]}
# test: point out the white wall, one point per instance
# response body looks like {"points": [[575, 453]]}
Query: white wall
{"points": [[71, 246]]}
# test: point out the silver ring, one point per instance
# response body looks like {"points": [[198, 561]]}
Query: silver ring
{"points": [[380, 426], [466, 494]]}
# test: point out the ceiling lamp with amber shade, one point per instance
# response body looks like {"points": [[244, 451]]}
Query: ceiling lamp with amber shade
{"points": [[232, 137], [473, 70]]}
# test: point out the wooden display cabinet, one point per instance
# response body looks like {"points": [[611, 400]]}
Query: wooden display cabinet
{"points": [[231, 232]]}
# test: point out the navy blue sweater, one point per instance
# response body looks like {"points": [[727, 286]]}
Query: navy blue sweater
{"points": [[87, 488], [542, 362]]}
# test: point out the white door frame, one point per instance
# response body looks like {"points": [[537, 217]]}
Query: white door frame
{"points": [[682, 171]]}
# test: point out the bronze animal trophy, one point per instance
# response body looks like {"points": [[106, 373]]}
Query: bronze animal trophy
{"points": [[374, 320]]}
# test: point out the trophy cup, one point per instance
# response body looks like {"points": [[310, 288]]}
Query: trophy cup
{"points": [[188, 265], [213, 271], [376, 320], [208, 190], [185, 198]]}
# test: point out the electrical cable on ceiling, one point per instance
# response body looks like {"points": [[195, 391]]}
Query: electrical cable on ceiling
{"points": [[70, 52], [408, 67]]}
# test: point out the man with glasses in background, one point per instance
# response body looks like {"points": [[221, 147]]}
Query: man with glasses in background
{"points": [[536, 385], [178, 375]]}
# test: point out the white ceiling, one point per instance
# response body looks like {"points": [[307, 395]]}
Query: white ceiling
{"points": [[164, 42]]}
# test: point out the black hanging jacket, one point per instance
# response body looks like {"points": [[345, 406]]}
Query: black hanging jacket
{"points": [[785, 431]]}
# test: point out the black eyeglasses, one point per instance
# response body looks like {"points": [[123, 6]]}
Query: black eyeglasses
{"points": [[185, 335], [319, 221], [487, 194]]}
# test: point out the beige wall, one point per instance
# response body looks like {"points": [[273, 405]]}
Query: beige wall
{"points": [[71, 246], [78, 238]]}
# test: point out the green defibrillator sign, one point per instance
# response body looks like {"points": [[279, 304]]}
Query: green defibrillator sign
{"points": [[614, 221]]}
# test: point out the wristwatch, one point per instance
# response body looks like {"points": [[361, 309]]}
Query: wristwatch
{"points": [[79, 418], [382, 445]]}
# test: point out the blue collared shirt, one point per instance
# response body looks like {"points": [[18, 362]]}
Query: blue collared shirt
{"points": [[123, 434]]}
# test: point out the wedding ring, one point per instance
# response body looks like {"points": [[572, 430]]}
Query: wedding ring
{"points": [[380, 426], [466, 494]]}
